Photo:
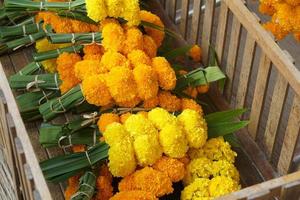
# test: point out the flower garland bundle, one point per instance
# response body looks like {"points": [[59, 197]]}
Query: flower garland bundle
{"points": [[285, 17]]}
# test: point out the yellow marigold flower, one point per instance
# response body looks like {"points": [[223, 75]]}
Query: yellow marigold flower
{"points": [[166, 74], [114, 7], [283, 16], [202, 89], [134, 195], [149, 180], [169, 102], [107, 21], [146, 80], [157, 35], [121, 158], [107, 119], [198, 168], [191, 104], [137, 57], [87, 68], [225, 168], [49, 65], [198, 188], [93, 49], [134, 40], [138, 125], [131, 12], [195, 53], [113, 36], [95, 90], [150, 47], [172, 167], [115, 133], [173, 141], [147, 149], [121, 84], [92, 57], [130, 104], [215, 149], [160, 118], [195, 127], [111, 59], [124, 117], [221, 185], [96, 9], [143, 113], [151, 103]]}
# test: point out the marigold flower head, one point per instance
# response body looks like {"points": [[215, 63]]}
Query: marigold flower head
{"points": [[151, 103], [87, 68], [115, 133], [225, 168], [104, 184], [138, 125], [146, 80], [107, 21], [49, 65], [121, 84], [173, 141], [121, 158], [198, 168], [283, 16], [73, 183], [297, 36], [160, 118], [150, 47], [157, 35], [95, 90], [131, 12], [134, 195], [198, 188], [266, 9], [191, 104], [143, 113], [134, 40], [114, 7], [93, 49], [169, 102], [92, 57], [293, 2], [202, 89], [166, 74], [195, 53], [149, 180], [111, 59], [107, 119], [172, 167], [96, 9], [220, 185], [137, 57], [276, 30], [191, 91], [195, 127], [130, 104], [147, 149], [124, 117], [78, 148], [113, 37]]}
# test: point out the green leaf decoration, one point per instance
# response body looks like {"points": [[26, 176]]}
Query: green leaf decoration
{"points": [[78, 38], [181, 51], [225, 128], [86, 190], [166, 30], [232, 139], [225, 116]]}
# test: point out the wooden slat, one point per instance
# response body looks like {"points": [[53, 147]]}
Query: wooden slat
{"points": [[249, 52], [261, 195], [276, 107], [184, 17], [290, 138], [196, 21], [171, 9], [291, 191], [222, 28], [232, 55], [263, 76], [207, 29]]}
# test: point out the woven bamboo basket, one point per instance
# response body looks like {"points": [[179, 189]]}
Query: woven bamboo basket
{"points": [[260, 76]]}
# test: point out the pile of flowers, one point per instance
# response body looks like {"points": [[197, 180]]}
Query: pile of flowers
{"points": [[285, 17]]}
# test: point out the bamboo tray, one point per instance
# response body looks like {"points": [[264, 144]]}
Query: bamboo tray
{"points": [[261, 77]]}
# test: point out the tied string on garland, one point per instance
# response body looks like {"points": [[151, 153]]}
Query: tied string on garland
{"points": [[86, 187], [36, 83]]}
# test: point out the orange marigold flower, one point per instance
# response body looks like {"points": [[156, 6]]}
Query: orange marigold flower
{"points": [[106, 119], [137, 57], [65, 67], [191, 91], [113, 36], [87, 68], [121, 84], [202, 89], [191, 104], [112, 59], [92, 57], [95, 90], [93, 49], [104, 184], [169, 102], [171, 167], [151, 103], [146, 80], [129, 104], [266, 9], [149, 180], [166, 74], [185, 160], [124, 117], [283, 16], [157, 35], [134, 195], [276, 29], [293, 2], [73, 183], [134, 40], [297, 36], [195, 53], [150, 47]]}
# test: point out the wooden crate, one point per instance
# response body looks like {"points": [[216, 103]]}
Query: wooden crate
{"points": [[255, 67]]}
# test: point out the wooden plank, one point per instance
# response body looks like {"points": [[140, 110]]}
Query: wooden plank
{"points": [[196, 21], [222, 29], [232, 56], [171, 9], [263, 76], [276, 107], [266, 42], [246, 68], [184, 17], [291, 191], [260, 195], [290, 138], [207, 29]]}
